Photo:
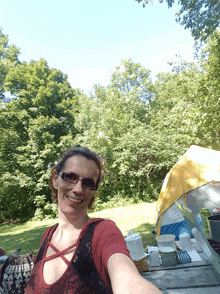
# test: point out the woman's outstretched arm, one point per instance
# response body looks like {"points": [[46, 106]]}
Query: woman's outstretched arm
{"points": [[125, 277]]}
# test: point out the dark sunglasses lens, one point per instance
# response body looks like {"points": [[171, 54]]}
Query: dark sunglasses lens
{"points": [[73, 178], [70, 177], [89, 184]]}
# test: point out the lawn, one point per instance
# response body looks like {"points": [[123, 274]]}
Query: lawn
{"points": [[27, 237]]}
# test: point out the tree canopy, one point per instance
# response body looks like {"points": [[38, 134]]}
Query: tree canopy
{"points": [[202, 17], [35, 126], [139, 127], [8, 59]]}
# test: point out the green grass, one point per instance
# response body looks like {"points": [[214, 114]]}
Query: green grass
{"points": [[137, 217], [27, 237]]}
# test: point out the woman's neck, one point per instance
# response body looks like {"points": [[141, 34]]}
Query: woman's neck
{"points": [[69, 228], [71, 221]]}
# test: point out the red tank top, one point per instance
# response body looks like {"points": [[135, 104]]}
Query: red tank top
{"points": [[70, 281]]}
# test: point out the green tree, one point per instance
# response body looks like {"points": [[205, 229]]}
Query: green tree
{"points": [[36, 126], [202, 17], [175, 110], [132, 79], [142, 141], [8, 59], [108, 117], [143, 158], [209, 90]]}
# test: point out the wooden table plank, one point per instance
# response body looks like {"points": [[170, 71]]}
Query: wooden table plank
{"points": [[181, 278], [207, 290], [179, 265]]}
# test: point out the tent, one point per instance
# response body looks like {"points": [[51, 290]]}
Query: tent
{"points": [[193, 181]]}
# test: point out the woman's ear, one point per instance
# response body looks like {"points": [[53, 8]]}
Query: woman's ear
{"points": [[55, 177]]}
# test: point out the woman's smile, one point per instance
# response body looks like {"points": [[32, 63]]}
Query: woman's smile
{"points": [[74, 200]]}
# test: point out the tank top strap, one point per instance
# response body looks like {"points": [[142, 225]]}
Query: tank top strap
{"points": [[58, 253]]}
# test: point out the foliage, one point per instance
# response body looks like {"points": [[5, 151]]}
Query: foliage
{"points": [[112, 202], [36, 126], [132, 78], [8, 59], [143, 158], [202, 17], [140, 141], [108, 117], [209, 89], [189, 98], [45, 211], [175, 108]]}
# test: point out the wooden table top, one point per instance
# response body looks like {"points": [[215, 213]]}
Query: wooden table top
{"points": [[195, 277]]}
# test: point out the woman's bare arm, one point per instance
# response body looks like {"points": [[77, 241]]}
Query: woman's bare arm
{"points": [[125, 277]]}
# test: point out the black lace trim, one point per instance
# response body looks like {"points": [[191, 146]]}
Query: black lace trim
{"points": [[84, 263]]}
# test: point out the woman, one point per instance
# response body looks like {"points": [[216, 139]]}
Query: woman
{"points": [[79, 254]]}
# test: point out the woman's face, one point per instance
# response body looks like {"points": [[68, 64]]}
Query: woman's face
{"points": [[74, 199]]}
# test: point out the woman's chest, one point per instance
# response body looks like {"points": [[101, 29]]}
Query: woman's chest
{"points": [[56, 263], [57, 280]]}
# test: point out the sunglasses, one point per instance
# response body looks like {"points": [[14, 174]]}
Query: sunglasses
{"points": [[88, 184]]}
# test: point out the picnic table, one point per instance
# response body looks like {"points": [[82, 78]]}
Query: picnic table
{"points": [[190, 278]]}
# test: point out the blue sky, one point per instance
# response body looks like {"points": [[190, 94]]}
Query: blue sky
{"points": [[87, 39]]}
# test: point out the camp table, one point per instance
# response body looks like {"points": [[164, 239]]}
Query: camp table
{"points": [[194, 277], [189, 278]]}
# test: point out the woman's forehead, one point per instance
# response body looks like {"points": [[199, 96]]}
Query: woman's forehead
{"points": [[81, 165]]}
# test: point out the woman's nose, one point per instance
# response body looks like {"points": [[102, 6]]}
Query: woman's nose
{"points": [[78, 187]]}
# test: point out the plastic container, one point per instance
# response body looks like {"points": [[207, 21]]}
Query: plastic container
{"points": [[154, 259], [167, 249], [166, 243], [135, 246], [185, 242], [214, 227], [169, 258], [216, 211]]}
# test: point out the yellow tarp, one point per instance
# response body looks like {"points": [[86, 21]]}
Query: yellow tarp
{"points": [[196, 167]]}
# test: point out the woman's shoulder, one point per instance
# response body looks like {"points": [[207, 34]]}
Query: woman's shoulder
{"points": [[101, 220], [107, 240], [105, 228], [103, 223]]}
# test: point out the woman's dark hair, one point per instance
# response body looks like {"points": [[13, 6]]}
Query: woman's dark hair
{"points": [[75, 151]]}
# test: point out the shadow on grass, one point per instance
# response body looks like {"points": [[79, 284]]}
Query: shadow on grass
{"points": [[148, 238], [27, 241]]}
